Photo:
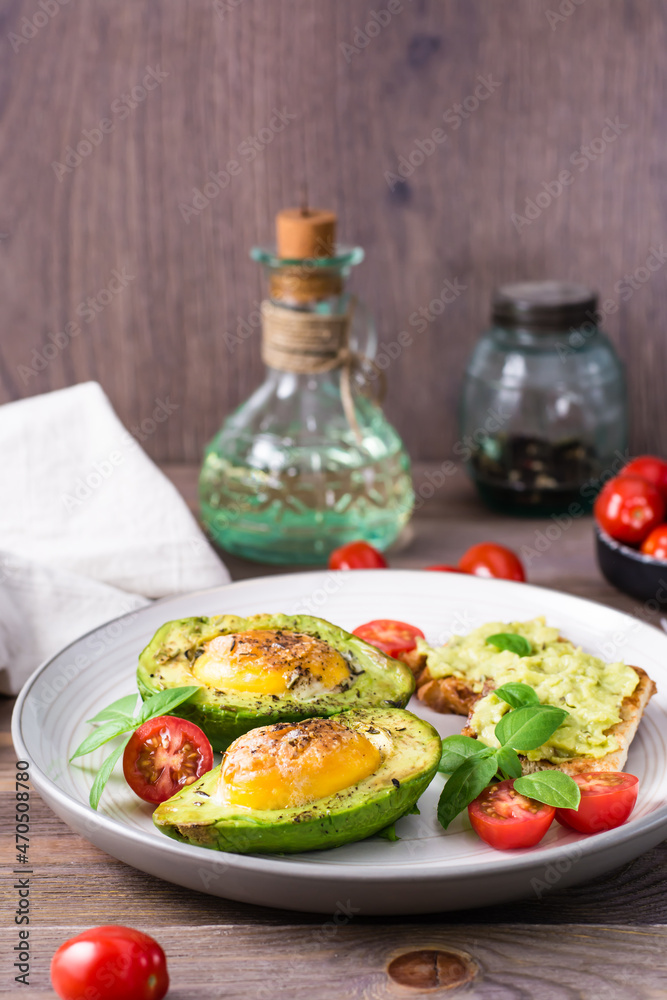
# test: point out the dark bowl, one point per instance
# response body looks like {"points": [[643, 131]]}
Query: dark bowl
{"points": [[630, 571]]}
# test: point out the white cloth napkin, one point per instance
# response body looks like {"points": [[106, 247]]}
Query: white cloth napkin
{"points": [[89, 526]]}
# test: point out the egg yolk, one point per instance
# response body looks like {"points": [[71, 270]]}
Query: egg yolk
{"points": [[269, 661], [292, 764]]}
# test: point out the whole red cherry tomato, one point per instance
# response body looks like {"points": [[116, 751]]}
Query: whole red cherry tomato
{"points": [[629, 508], [391, 637], [163, 755], [648, 467], [506, 820], [607, 799], [357, 555], [491, 560], [655, 544], [444, 569], [109, 963]]}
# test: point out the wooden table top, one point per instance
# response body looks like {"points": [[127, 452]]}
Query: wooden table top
{"points": [[604, 939]]}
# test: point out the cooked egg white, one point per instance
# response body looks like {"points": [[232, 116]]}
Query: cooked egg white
{"points": [[272, 662], [292, 764]]}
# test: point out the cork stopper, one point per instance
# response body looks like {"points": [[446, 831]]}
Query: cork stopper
{"points": [[305, 232]]}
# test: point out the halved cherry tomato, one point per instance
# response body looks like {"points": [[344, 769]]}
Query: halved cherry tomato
{"points": [[445, 569], [629, 508], [393, 638], [607, 799], [491, 560], [648, 467], [108, 963], [656, 543], [163, 755], [357, 555], [506, 820]]}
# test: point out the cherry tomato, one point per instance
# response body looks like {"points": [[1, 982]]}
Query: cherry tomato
{"points": [[504, 819], [445, 569], [607, 799], [491, 560], [357, 555], [629, 508], [648, 467], [163, 755], [108, 963], [656, 543], [393, 638]]}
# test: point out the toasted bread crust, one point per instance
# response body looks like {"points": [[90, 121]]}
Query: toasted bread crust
{"points": [[449, 695], [632, 709]]}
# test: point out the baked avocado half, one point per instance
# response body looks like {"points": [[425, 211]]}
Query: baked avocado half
{"points": [[308, 785], [268, 668]]}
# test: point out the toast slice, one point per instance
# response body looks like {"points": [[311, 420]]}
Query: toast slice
{"points": [[450, 695], [632, 709]]}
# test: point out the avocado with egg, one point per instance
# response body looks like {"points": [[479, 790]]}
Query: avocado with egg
{"points": [[268, 668], [308, 785]]}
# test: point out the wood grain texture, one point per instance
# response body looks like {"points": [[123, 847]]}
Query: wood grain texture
{"points": [[229, 65], [327, 962]]}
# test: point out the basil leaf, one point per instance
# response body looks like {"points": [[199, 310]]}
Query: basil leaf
{"points": [[529, 727], [554, 788], [508, 762], [124, 708], [509, 640], [456, 749], [388, 833], [104, 773], [468, 780], [103, 735], [517, 694], [164, 702]]}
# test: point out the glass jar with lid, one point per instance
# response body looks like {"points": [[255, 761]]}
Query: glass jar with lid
{"points": [[544, 407]]}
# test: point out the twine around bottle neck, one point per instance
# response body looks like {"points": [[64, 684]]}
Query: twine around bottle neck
{"points": [[306, 343]]}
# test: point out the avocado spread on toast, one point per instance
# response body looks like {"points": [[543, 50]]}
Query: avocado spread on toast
{"points": [[591, 690]]}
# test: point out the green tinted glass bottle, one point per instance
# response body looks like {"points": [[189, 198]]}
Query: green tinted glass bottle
{"points": [[308, 462]]}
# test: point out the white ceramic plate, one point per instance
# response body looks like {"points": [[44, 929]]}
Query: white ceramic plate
{"points": [[428, 870]]}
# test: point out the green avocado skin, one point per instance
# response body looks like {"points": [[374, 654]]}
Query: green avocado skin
{"points": [[224, 716], [350, 815]]}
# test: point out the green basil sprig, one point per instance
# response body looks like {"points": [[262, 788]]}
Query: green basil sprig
{"points": [[510, 640], [124, 716], [472, 765], [517, 694]]}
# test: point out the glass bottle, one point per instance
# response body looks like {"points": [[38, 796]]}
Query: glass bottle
{"points": [[543, 409], [294, 472]]}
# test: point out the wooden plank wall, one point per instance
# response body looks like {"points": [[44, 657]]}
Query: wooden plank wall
{"points": [[323, 91]]}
